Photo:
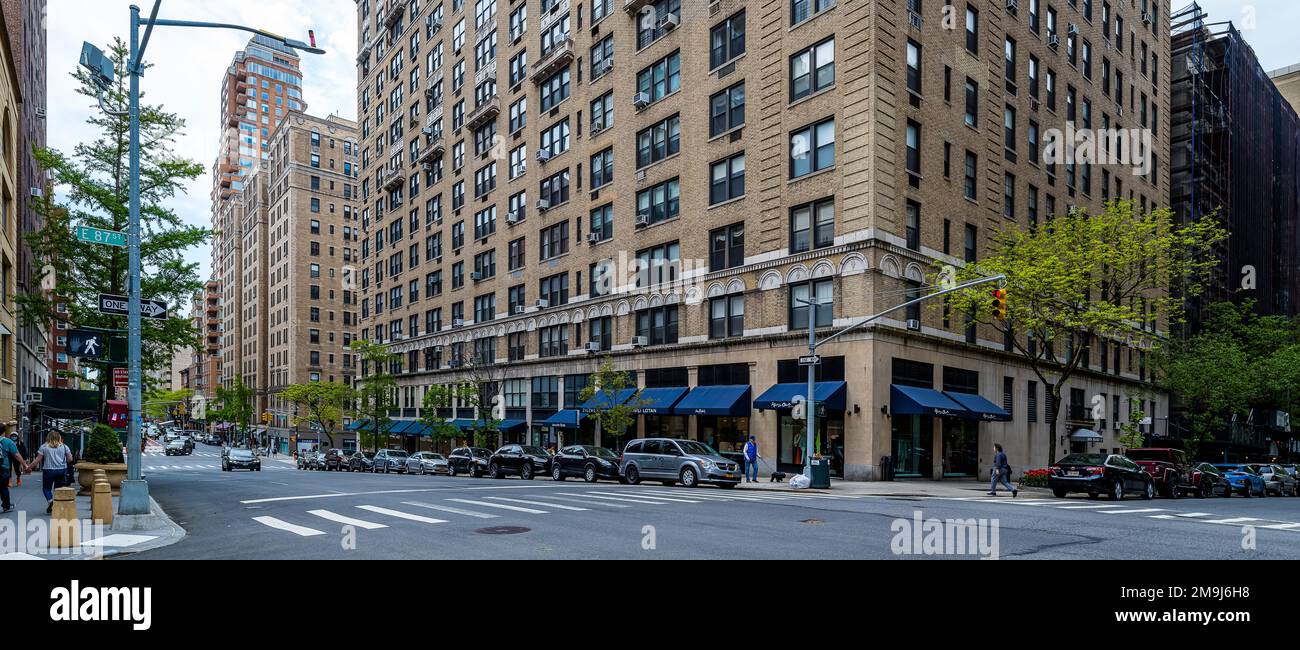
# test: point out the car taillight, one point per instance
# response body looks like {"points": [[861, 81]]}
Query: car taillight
{"points": [[1096, 470]]}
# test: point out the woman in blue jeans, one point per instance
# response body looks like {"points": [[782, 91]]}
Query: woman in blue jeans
{"points": [[53, 458]]}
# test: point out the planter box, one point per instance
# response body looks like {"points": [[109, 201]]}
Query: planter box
{"points": [[86, 475]]}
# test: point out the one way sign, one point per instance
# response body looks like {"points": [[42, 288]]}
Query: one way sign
{"points": [[117, 305]]}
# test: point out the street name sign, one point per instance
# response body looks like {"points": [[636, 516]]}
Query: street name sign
{"points": [[101, 236]]}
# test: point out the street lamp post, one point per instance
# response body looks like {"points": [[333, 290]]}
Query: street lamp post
{"points": [[810, 402], [135, 491]]}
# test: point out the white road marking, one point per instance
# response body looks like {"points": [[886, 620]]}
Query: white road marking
{"points": [[403, 515], [284, 525], [17, 555], [502, 506], [1193, 514], [1282, 526], [584, 501], [1132, 511], [117, 540], [1234, 520], [538, 503], [346, 521], [655, 497], [455, 511], [645, 501], [1084, 507], [334, 494]]}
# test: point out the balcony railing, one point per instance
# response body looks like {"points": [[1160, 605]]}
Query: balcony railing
{"points": [[436, 147], [483, 113], [558, 57], [633, 6], [394, 13], [391, 178]]}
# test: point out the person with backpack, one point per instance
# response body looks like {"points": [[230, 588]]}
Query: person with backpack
{"points": [[53, 458], [8, 450], [1001, 472], [22, 451], [751, 460]]}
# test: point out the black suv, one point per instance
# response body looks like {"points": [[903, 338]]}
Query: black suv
{"points": [[468, 460], [525, 461]]}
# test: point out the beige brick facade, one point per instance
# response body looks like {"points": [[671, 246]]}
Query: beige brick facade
{"points": [[410, 176]]}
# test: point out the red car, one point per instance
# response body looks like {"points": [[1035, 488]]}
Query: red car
{"points": [[1169, 467]]}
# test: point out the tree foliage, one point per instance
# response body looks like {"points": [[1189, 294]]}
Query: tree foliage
{"points": [[1078, 279], [439, 397], [162, 404], [93, 182], [234, 404], [376, 394], [320, 403], [612, 416]]}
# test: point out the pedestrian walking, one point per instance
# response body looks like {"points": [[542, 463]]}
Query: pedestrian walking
{"points": [[10, 458], [1001, 472], [53, 458], [22, 451], [751, 460]]}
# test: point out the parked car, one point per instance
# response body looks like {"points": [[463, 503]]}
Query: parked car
{"points": [[179, 447], [586, 461], [361, 461], [241, 459], [1244, 480], [1169, 468], [1097, 474], [1209, 481], [671, 461], [1276, 480], [469, 460], [524, 461], [426, 462], [335, 459], [390, 460], [304, 459]]}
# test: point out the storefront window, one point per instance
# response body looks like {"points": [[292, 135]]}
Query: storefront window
{"points": [[960, 447], [726, 434], [665, 426], [912, 436], [830, 438]]}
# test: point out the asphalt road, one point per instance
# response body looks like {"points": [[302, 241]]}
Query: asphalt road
{"points": [[284, 513]]}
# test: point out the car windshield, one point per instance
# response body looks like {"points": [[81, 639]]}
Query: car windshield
{"points": [[435, 457], [1083, 459], [367, 455], [600, 452], [696, 448], [482, 453], [241, 453], [534, 451], [396, 453]]}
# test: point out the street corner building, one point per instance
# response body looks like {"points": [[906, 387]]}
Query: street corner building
{"points": [[545, 184], [10, 100]]}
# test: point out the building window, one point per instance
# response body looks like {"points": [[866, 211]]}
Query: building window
{"points": [[812, 70], [659, 264], [972, 103], [554, 241], [658, 142], [727, 179], [727, 247], [602, 222], [726, 317], [659, 203], [658, 325], [970, 185], [914, 225], [662, 78], [602, 168], [727, 40], [823, 294], [727, 110], [801, 10], [812, 148], [972, 29], [812, 226]]}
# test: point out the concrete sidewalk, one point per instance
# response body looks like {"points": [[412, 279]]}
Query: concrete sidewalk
{"points": [[950, 488], [24, 532]]}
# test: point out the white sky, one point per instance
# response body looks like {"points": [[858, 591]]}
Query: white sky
{"points": [[188, 63]]}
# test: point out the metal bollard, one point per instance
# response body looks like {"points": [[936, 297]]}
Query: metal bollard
{"points": [[64, 530], [101, 502]]}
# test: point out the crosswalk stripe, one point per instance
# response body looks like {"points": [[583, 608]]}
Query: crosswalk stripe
{"points": [[347, 521], [539, 503], [403, 515], [705, 497], [647, 501], [499, 505], [1234, 520], [657, 497], [1089, 506], [280, 524], [1130, 511], [1282, 526], [583, 501], [454, 511], [1193, 514]]}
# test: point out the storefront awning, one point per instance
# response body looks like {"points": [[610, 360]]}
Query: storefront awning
{"points": [[715, 400], [829, 395], [1086, 435], [401, 427], [566, 419], [980, 408], [359, 424], [600, 400], [911, 400], [657, 401], [468, 424]]}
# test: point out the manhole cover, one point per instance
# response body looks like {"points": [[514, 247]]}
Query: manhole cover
{"points": [[502, 530], [811, 521]]}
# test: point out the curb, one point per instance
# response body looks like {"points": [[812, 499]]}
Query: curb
{"points": [[176, 534]]}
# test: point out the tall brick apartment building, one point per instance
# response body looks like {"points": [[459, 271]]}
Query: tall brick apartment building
{"points": [[520, 157]]}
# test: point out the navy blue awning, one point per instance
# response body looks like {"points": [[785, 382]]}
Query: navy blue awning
{"points": [[601, 400], [566, 419], [657, 401], [715, 400], [358, 424], [468, 424], [980, 408], [910, 400], [829, 394]]}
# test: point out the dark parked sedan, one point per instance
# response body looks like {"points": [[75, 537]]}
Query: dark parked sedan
{"points": [[585, 461], [361, 461], [1209, 481], [1098, 474], [526, 461], [469, 460], [336, 459], [241, 459]]}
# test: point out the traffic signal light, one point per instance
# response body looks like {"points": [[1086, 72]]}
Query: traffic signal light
{"points": [[266, 416], [999, 304]]}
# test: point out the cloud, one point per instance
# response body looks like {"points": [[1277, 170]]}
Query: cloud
{"points": [[188, 65]]}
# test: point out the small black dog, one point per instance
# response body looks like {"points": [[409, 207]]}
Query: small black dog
{"points": [[777, 477]]}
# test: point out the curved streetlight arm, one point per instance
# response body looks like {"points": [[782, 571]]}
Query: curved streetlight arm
{"points": [[289, 42], [961, 287]]}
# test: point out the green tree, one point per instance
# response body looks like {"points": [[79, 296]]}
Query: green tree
{"points": [[612, 417], [1132, 437], [94, 179], [162, 404], [235, 405], [440, 429], [320, 403], [375, 396], [1080, 278]]}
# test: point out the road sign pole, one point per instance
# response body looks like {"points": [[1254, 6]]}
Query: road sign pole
{"points": [[135, 491]]}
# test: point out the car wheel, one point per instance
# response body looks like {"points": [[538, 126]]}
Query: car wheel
{"points": [[689, 478], [495, 471], [476, 471], [526, 472], [1060, 494], [1117, 490], [1201, 492], [451, 470], [1174, 492], [589, 474], [1150, 492], [556, 473], [633, 476]]}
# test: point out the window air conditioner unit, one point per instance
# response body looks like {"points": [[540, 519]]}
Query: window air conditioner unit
{"points": [[596, 129], [1148, 17], [914, 324], [512, 217], [640, 341], [1074, 29], [543, 155], [671, 21], [593, 237], [41, 350], [543, 303], [1053, 41], [519, 309], [641, 100], [458, 322], [642, 219], [593, 346], [37, 192], [476, 276], [1013, 6], [543, 204]]}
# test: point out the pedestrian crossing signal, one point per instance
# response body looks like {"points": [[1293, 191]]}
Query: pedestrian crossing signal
{"points": [[999, 304]]}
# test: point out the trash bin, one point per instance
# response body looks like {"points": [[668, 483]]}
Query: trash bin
{"points": [[821, 473], [886, 468]]}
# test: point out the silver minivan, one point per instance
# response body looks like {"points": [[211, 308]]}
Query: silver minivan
{"points": [[672, 461]]}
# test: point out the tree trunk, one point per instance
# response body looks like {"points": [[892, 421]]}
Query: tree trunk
{"points": [[1055, 396]]}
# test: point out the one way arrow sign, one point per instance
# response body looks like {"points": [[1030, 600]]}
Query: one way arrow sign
{"points": [[117, 305]]}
